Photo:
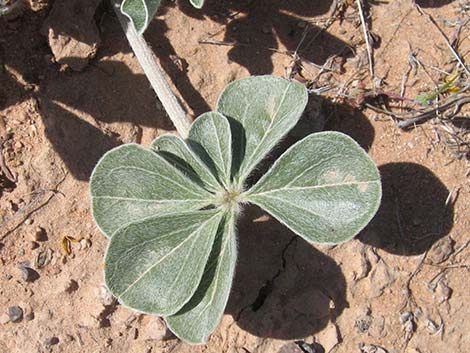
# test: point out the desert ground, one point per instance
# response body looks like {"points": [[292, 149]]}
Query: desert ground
{"points": [[71, 89]]}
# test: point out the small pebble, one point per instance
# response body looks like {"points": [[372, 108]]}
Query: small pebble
{"points": [[85, 243], [28, 222], [70, 286], [441, 250], [33, 245], [27, 273], [443, 291], [39, 234], [52, 341], [105, 296], [432, 327], [371, 348], [15, 313]]}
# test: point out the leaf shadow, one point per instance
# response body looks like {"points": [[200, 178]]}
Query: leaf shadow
{"points": [[433, 3], [283, 288], [414, 212], [78, 107], [259, 27], [175, 67]]}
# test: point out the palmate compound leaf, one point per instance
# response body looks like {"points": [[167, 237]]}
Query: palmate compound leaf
{"points": [[261, 110], [201, 315], [155, 265], [168, 258], [325, 188], [131, 183]]}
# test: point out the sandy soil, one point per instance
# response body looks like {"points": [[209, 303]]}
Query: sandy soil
{"points": [[71, 89]]}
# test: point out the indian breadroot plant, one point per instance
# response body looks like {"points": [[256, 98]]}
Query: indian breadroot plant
{"points": [[170, 211]]}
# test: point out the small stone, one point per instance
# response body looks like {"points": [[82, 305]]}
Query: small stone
{"points": [[105, 296], [28, 222], [70, 286], [52, 341], [18, 145], [370, 348], [432, 327], [39, 234], [15, 313], [33, 245], [301, 24], [27, 273], [153, 328], [443, 292], [441, 251], [363, 323], [43, 258], [4, 319], [85, 243]]}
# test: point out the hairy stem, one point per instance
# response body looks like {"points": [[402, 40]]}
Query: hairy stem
{"points": [[154, 74]]}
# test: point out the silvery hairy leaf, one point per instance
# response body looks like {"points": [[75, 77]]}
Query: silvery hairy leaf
{"points": [[201, 315], [261, 111], [179, 153], [211, 137], [155, 265], [131, 183], [325, 188]]}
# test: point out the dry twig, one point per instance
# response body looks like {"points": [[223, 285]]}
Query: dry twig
{"points": [[366, 35]]}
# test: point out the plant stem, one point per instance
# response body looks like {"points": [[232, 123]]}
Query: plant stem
{"points": [[154, 74]]}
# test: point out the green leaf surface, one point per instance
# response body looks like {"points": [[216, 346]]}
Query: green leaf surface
{"points": [[261, 111], [211, 138], [140, 12], [201, 315], [178, 152], [197, 3], [156, 265], [325, 188], [131, 183]]}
